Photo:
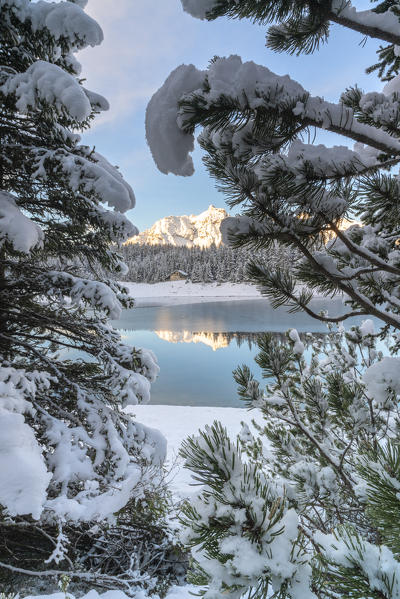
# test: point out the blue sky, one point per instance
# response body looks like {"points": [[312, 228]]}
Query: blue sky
{"points": [[144, 41]]}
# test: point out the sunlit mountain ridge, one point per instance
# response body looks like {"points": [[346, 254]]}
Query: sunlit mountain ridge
{"points": [[201, 230], [211, 339]]}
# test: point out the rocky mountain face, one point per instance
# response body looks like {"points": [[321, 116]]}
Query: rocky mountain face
{"points": [[201, 230], [192, 230]]}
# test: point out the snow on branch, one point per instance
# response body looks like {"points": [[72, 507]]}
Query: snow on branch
{"points": [[100, 496], [29, 473], [235, 226], [254, 533], [87, 172], [19, 387], [304, 161], [117, 226], [64, 21], [17, 229], [345, 549], [44, 84], [167, 129], [169, 144], [112, 185], [24, 477], [234, 91], [94, 293], [381, 25], [198, 8], [384, 26], [98, 101], [341, 119]]}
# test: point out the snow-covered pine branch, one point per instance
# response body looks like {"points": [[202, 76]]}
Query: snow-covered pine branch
{"points": [[302, 25], [244, 536], [324, 452], [234, 93]]}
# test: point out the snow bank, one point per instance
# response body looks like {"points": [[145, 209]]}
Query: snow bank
{"points": [[184, 292]]}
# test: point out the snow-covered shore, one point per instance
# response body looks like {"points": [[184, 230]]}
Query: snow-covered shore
{"points": [[185, 292], [177, 423]]}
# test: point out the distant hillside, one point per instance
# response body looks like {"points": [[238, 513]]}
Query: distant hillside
{"points": [[200, 230]]}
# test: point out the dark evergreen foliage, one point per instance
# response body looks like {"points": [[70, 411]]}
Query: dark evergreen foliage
{"points": [[304, 24]]}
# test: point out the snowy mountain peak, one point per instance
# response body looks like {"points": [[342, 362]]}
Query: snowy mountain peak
{"points": [[201, 230]]}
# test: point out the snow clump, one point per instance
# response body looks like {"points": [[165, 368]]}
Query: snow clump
{"points": [[23, 474], [298, 346], [63, 20], [247, 83], [45, 82], [382, 377], [198, 8], [169, 145], [16, 228]]}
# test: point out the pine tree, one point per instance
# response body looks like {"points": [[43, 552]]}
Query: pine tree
{"points": [[69, 456], [307, 506], [311, 509]]}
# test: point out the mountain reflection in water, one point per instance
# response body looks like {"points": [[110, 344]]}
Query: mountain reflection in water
{"points": [[217, 340], [199, 345], [213, 340]]}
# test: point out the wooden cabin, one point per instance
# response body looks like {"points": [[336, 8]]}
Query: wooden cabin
{"points": [[178, 275]]}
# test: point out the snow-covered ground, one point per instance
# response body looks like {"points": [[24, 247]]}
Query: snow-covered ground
{"points": [[185, 592], [184, 292], [179, 422]]}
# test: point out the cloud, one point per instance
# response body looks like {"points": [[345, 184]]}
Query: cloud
{"points": [[143, 41]]}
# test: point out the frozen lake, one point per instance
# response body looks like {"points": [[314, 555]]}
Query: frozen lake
{"points": [[199, 345]]}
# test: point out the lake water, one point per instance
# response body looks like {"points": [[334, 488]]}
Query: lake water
{"points": [[199, 345]]}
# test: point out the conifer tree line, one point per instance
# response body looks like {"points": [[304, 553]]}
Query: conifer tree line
{"points": [[154, 263], [305, 505]]}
